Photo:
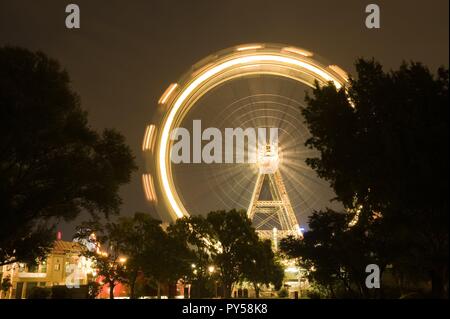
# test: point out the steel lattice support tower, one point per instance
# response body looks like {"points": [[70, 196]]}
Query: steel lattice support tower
{"points": [[273, 218]]}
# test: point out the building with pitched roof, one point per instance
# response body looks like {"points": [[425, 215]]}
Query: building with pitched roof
{"points": [[63, 266]]}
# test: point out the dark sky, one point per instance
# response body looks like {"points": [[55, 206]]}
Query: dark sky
{"points": [[127, 52]]}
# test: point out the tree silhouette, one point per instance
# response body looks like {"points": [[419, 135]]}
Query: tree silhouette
{"points": [[104, 246], [53, 164], [262, 267], [227, 241], [384, 147]]}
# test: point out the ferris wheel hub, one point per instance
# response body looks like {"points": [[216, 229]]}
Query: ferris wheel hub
{"points": [[268, 159]]}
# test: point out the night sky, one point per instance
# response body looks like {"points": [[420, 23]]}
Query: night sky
{"points": [[127, 52]]}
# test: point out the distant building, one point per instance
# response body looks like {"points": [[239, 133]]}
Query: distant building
{"points": [[64, 266]]}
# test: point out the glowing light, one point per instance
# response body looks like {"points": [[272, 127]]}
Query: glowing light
{"points": [[122, 260], [275, 238], [299, 230], [249, 47], [268, 159], [230, 63], [149, 187], [377, 215], [211, 269], [340, 72], [291, 269], [298, 51], [167, 93], [149, 138], [355, 219]]}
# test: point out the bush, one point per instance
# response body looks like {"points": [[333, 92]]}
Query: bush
{"points": [[6, 284], [63, 292], [60, 292], [39, 293], [93, 289], [313, 294], [283, 293]]}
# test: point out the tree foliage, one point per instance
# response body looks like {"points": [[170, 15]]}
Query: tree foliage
{"points": [[334, 254], [383, 147], [262, 267], [227, 241], [104, 246], [168, 261], [53, 164], [132, 246]]}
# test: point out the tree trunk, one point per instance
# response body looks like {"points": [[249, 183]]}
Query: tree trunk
{"points": [[399, 277], [111, 291], [172, 290], [132, 290], [437, 284], [255, 286], [159, 290], [363, 290], [381, 290], [133, 285], [333, 296], [227, 290]]}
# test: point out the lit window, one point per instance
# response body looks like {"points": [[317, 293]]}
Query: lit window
{"points": [[43, 268]]}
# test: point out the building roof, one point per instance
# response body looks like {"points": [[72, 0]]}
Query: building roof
{"points": [[62, 247]]}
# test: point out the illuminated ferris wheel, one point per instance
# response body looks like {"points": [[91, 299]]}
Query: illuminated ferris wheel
{"points": [[250, 86]]}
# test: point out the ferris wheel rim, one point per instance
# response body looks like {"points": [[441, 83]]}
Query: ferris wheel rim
{"points": [[282, 57]]}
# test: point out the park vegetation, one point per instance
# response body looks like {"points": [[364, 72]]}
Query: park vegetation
{"points": [[382, 144], [200, 251], [383, 147], [53, 165]]}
